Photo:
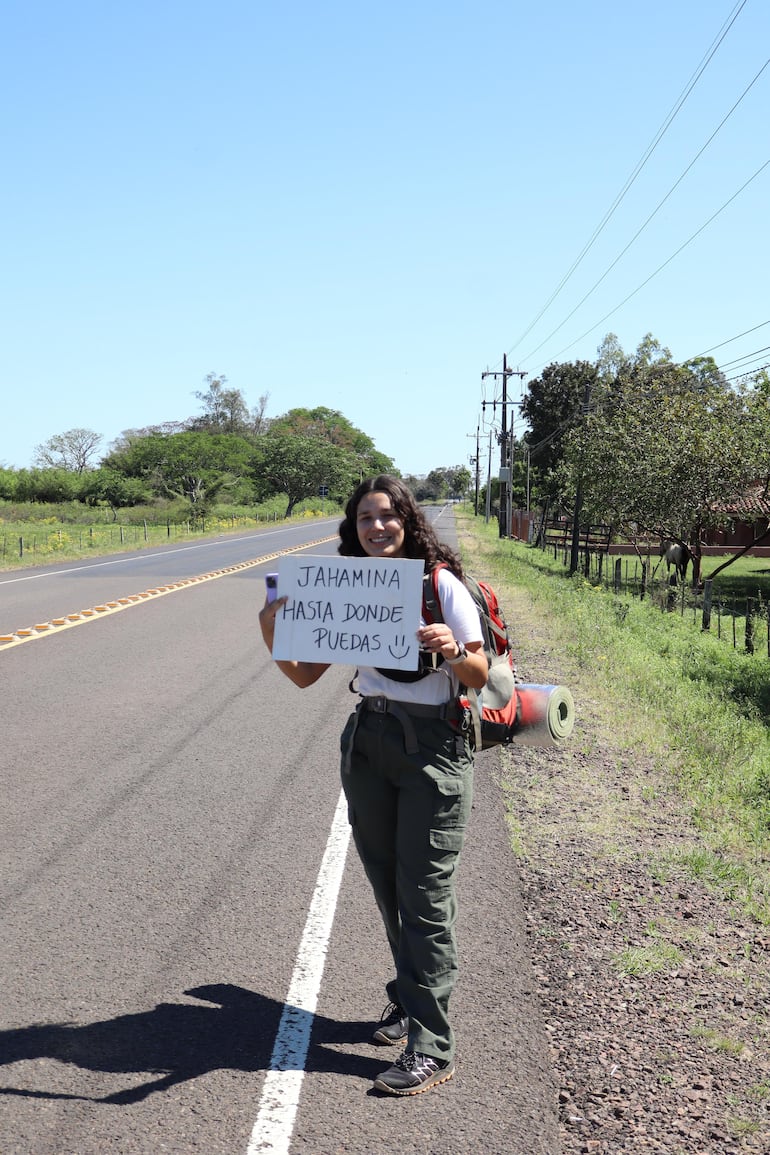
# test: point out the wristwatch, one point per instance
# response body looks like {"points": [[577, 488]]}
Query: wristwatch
{"points": [[462, 654]]}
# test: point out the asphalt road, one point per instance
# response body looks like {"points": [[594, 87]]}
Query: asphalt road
{"points": [[168, 798], [28, 597]]}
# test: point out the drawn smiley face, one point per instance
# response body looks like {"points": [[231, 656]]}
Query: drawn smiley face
{"points": [[399, 647]]}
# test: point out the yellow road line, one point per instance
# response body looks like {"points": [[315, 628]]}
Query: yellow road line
{"points": [[56, 625]]}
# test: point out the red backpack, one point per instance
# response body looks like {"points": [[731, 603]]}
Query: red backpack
{"points": [[495, 708]]}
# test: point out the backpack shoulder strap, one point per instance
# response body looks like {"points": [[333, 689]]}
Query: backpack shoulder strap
{"points": [[431, 611], [431, 602]]}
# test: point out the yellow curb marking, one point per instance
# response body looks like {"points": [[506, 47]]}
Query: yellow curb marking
{"points": [[56, 625]]}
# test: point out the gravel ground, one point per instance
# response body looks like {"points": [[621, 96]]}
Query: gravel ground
{"points": [[654, 988]]}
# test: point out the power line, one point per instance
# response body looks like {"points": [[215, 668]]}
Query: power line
{"points": [[748, 373], [730, 340], [668, 261], [746, 357], [654, 213], [638, 168]]}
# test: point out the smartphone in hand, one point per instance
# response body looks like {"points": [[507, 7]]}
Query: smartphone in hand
{"points": [[271, 584]]}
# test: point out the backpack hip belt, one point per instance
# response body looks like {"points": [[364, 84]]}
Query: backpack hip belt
{"points": [[405, 711]]}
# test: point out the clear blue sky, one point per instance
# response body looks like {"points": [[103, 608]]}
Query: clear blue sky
{"points": [[365, 206]]}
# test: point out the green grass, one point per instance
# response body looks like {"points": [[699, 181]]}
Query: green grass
{"points": [[718, 1042], [649, 959], [696, 706], [745, 577], [38, 535]]}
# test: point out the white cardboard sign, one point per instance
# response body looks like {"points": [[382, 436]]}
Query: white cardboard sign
{"points": [[352, 610]]}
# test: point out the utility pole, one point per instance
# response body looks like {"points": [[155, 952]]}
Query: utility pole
{"points": [[575, 551], [489, 481], [505, 455], [475, 461]]}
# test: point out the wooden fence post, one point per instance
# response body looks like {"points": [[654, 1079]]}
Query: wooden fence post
{"points": [[750, 625], [671, 595], [707, 595]]}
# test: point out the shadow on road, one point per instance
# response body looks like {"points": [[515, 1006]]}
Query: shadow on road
{"points": [[179, 1042]]}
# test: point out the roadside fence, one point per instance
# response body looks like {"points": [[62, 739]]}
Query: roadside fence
{"points": [[744, 621], [45, 543]]}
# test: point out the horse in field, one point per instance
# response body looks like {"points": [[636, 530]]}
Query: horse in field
{"points": [[675, 554]]}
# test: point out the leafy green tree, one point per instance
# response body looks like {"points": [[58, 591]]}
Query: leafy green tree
{"points": [[47, 485], [9, 480], [611, 359], [551, 406], [331, 426], [436, 486], [554, 402], [520, 468], [664, 452], [299, 465], [74, 450], [459, 480], [113, 489], [196, 466], [442, 482]]}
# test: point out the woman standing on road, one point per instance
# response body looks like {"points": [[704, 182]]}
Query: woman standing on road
{"points": [[407, 773]]}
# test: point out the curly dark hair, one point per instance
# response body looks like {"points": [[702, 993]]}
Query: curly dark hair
{"points": [[420, 539]]}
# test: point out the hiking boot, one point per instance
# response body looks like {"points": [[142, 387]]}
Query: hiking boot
{"points": [[414, 1073], [394, 1025]]}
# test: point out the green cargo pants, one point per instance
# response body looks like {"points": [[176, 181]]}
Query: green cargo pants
{"points": [[408, 781]]}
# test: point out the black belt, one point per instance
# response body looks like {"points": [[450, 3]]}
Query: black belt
{"points": [[405, 711]]}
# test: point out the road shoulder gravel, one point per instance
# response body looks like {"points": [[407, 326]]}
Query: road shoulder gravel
{"points": [[654, 987]]}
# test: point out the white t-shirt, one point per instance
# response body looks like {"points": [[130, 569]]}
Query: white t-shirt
{"points": [[460, 614]]}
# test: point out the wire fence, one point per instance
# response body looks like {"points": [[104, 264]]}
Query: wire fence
{"points": [[743, 621], [46, 543]]}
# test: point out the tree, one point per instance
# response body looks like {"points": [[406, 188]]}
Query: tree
{"points": [[298, 466], [553, 403], [74, 450], [225, 410], [47, 485], [551, 407], [331, 426], [114, 489], [436, 486], [611, 360], [129, 437], [664, 451], [459, 481], [192, 465], [9, 480], [258, 422], [520, 470]]}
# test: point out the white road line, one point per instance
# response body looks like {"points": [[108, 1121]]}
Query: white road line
{"points": [[144, 556], [47, 629], [280, 1095]]}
